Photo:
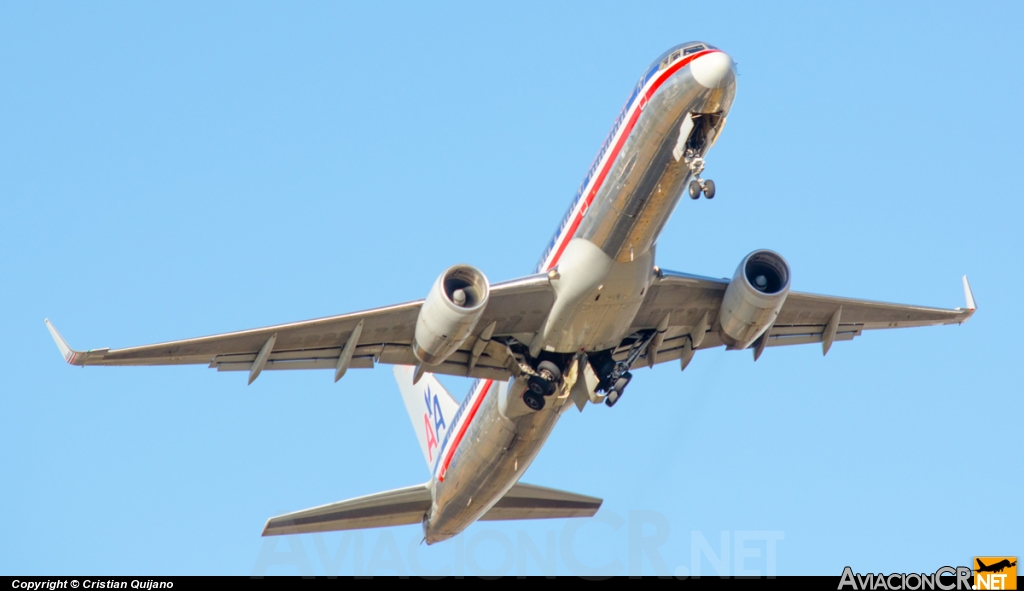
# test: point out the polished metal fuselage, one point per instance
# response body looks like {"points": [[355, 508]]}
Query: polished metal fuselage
{"points": [[646, 181], [601, 264]]}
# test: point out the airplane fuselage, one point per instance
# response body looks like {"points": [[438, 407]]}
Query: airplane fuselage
{"points": [[596, 308], [601, 262]]}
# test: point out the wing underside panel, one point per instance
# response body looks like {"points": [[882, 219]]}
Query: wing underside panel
{"points": [[804, 318], [383, 335], [517, 309]]}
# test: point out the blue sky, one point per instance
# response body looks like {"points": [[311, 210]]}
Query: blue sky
{"points": [[174, 170]]}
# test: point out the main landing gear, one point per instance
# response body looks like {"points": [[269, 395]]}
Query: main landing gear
{"points": [[699, 185], [545, 383], [615, 375], [617, 389]]}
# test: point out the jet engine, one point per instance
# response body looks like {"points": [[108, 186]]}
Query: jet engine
{"points": [[754, 297], [450, 313]]}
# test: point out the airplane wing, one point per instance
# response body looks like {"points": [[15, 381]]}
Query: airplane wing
{"points": [[805, 318], [517, 308], [382, 335]]}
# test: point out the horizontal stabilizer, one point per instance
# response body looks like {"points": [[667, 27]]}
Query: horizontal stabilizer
{"points": [[526, 501], [401, 506]]}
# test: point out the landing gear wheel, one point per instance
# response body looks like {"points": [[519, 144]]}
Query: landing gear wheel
{"points": [[616, 392], [538, 385], [534, 401], [547, 367], [709, 189], [550, 375], [694, 192]]}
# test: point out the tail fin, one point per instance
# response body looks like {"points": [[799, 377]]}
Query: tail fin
{"points": [[981, 564], [431, 409]]}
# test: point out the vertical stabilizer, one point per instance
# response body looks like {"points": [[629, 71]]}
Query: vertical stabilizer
{"points": [[430, 407]]}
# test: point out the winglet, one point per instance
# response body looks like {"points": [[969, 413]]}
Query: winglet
{"points": [[70, 355], [969, 295], [971, 306], [67, 352]]}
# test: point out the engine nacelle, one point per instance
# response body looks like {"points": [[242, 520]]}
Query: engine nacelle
{"points": [[450, 313], [754, 297]]}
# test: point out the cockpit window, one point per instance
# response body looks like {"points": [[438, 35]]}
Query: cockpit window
{"points": [[673, 55], [671, 59]]}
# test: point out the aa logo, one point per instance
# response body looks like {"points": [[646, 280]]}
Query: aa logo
{"points": [[995, 572]]}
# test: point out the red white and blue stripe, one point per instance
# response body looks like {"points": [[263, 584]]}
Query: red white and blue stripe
{"points": [[592, 183]]}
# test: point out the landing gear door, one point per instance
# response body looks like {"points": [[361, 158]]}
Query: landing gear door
{"points": [[684, 134], [715, 132]]}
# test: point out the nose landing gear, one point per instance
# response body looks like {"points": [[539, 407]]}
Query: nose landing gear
{"points": [[707, 187], [699, 185]]}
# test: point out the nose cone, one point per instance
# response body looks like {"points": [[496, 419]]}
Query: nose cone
{"points": [[713, 70]]}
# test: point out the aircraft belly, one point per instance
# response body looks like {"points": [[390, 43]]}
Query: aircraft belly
{"points": [[622, 224], [603, 316], [647, 180], [600, 277], [491, 458]]}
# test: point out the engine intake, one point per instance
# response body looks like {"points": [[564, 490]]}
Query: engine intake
{"points": [[754, 297], [450, 313]]}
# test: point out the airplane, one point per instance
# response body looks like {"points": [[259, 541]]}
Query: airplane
{"points": [[994, 568], [596, 308]]}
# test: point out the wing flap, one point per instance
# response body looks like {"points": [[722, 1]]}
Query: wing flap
{"points": [[364, 358], [401, 506], [357, 362], [806, 339], [528, 501]]}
